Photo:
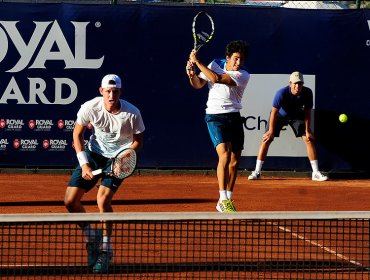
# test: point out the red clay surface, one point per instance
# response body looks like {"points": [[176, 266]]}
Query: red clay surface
{"points": [[43, 193], [40, 193]]}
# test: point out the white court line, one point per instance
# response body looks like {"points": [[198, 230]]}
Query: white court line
{"points": [[327, 249]]}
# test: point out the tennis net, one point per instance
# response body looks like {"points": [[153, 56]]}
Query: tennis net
{"points": [[190, 245]]}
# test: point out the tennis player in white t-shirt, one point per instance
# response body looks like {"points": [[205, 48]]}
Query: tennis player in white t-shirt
{"points": [[226, 81], [116, 125]]}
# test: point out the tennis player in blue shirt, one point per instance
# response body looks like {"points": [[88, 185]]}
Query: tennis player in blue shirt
{"points": [[291, 106]]}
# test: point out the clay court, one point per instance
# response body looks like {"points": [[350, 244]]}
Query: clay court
{"points": [[188, 192], [43, 193]]}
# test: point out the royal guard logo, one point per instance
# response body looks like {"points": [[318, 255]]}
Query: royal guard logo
{"points": [[27, 144], [31, 124], [66, 125], [16, 143], [55, 144], [12, 124], [40, 125]]}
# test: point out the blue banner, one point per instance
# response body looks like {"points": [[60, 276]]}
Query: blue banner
{"points": [[53, 57]]}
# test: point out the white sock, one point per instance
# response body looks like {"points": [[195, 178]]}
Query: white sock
{"points": [[89, 233], [314, 165], [106, 244], [229, 194], [223, 195], [259, 164]]}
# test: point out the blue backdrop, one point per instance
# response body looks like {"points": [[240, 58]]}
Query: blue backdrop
{"points": [[53, 56]]}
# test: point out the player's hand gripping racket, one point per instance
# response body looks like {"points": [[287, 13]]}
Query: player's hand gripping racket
{"points": [[122, 166], [203, 29]]}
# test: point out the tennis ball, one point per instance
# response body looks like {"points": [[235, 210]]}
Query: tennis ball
{"points": [[343, 118]]}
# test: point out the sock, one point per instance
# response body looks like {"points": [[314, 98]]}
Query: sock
{"points": [[229, 194], [223, 195], [89, 233], [314, 165], [259, 164], [106, 244]]}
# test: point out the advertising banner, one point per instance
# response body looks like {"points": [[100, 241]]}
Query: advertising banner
{"points": [[53, 57]]}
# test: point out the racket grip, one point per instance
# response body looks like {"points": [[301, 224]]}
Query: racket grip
{"points": [[97, 172]]}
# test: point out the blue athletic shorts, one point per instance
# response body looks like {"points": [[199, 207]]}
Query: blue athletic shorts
{"points": [[96, 161], [225, 128]]}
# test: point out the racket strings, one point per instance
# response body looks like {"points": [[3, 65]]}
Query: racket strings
{"points": [[203, 36], [124, 165], [203, 29]]}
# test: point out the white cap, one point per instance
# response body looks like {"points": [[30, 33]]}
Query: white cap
{"points": [[111, 81], [296, 77]]}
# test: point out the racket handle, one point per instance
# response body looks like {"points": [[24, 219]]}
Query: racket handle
{"points": [[97, 172]]}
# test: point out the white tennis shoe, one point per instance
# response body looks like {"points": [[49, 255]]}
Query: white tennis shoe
{"points": [[318, 176], [255, 175]]}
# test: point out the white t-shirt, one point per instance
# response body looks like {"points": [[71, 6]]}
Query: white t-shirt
{"points": [[111, 132], [223, 98]]}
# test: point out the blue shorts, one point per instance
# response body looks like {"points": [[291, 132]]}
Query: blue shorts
{"points": [[224, 128], [96, 161]]}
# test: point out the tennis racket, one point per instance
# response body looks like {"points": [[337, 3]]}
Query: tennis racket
{"points": [[203, 29], [121, 166]]}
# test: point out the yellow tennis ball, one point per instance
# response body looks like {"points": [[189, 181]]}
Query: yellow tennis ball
{"points": [[343, 118]]}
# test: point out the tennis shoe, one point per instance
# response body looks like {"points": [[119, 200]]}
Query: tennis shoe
{"points": [[93, 248], [255, 175], [318, 176], [232, 205], [225, 206], [103, 262]]}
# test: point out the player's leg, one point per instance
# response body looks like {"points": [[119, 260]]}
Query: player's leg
{"points": [[72, 199], [310, 147], [221, 139], [77, 187], [224, 155], [237, 145], [107, 189], [312, 156], [264, 147], [92, 235], [233, 173], [299, 129]]}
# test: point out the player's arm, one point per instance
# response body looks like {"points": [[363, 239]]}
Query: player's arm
{"points": [[270, 134], [194, 80], [79, 144], [137, 142], [214, 77], [211, 75], [78, 137]]}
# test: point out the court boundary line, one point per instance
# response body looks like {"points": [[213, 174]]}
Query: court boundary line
{"points": [[314, 243]]}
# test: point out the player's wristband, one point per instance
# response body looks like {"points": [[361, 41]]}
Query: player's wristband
{"points": [[82, 158]]}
